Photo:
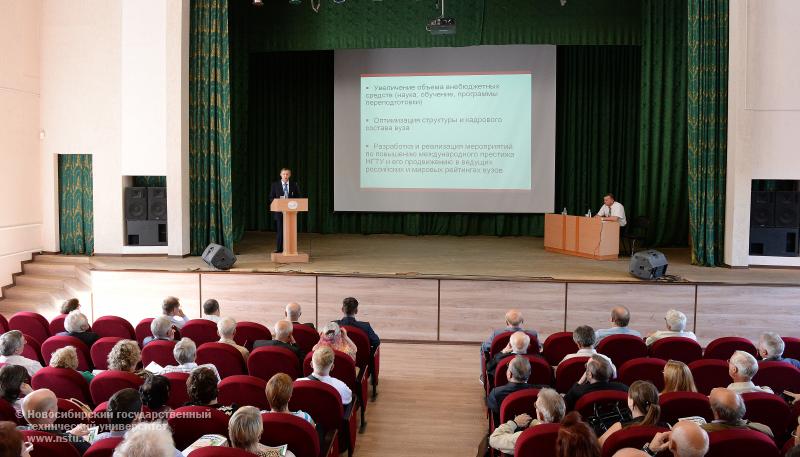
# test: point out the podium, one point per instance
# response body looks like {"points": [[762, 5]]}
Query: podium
{"points": [[581, 236], [289, 207]]}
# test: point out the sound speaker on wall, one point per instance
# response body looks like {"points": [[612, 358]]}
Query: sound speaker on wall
{"points": [[774, 241], [650, 264], [787, 209], [762, 209], [157, 203], [147, 233], [135, 203], [219, 257]]}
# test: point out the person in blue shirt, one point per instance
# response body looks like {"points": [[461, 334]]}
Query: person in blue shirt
{"points": [[350, 309], [620, 318], [514, 323]]}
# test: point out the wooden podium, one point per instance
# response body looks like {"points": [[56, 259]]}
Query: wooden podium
{"points": [[289, 207], [581, 236]]}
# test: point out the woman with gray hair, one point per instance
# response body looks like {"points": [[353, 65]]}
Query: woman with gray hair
{"points": [[77, 326], [148, 439], [550, 409], [336, 338], [185, 352], [67, 357], [12, 343], [245, 428]]}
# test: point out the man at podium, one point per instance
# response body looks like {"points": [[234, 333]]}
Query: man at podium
{"points": [[612, 210], [282, 189]]}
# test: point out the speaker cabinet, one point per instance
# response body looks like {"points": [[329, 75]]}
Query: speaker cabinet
{"points": [[157, 203], [762, 209], [219, 257], [774, 241], [650, 264], [147, 233], [787, 209], [135, 203]]}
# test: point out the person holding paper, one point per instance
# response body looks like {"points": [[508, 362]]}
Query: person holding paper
{"points": [[282, 189], [612, 210]]}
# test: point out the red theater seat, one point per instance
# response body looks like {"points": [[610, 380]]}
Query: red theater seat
{"points": [[500, 341], [588, 403], [70, 414], [621, 348], [160, 352], [770, 410], [675, 405], [107, 383], [3, 324], [200, 331], [55, 343], [634, 437], [33, 324], [519, 402], [779, 376], [709, 373], [226, 358], [344, 369], [100, 350], [266, 361], [142, 330], [365, 359], [723, 348], [8, 413], [305, 337], [47, 444], [178, 396], [114, 326], [678, 348], [300, 436], [186, 427], [64, 382], [569, 372], [243, 390], [32, 349], [541, 371], [324, 404], [248, 333], [558, 345], [103, 448], [727, 443], [792, 347], [539, 441], [643, 369], [57, 324]]}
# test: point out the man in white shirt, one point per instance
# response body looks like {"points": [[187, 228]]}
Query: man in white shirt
{"points": [[211, 310], [322, 362], [741, 368], [612, 210], [12, 343], [676, 326], [172, 311], [185, 353]]}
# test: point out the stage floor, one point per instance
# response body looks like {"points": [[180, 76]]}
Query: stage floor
{"points": [[444, 256]]}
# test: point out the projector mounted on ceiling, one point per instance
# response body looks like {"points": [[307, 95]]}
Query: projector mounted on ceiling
{"points": [[442, 25]]}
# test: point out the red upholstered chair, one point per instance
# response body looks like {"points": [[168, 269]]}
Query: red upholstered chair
{"points": [[365, 359], [116, 326], [32, 349], [266, 361], [679, 348], [521, 401], [103, 448], [675, 405], [557, 345], [709, 373], [324, 404], [33, 324], [107, 383], [57, 324], [186, 427], [621, 348], [792, 347], [248, 333], [218, 451], [200, 331], [539, 441], [779, 376], [770, 410], [569, 372], [142, 330], [178, 396], [3, 324], [100, 350], [70, 414], [723, 348], [727, 443], [55, 343], [243, 390], [47, 444], [587, 403], [634, 437], [305, 336], [541, 371], [226, 358], [300, 436], [160, 352], [344, 369], [500, 341], [8, 413], [643, 369], [64, 382]]}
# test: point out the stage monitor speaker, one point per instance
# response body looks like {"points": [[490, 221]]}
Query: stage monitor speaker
{"points": [[135, 203], [774, 241], [157, 203], [219, 257], [650, 264], [147, 233], [787, 209], [762, 209]]}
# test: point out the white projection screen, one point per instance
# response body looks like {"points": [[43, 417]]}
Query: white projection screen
{"points": [[468, 130]]}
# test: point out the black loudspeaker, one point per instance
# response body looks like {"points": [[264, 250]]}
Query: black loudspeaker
{"points": [[787, 209], [135, 203], [650, 264], [157, 203], [147, 233], [219, 257], [762, 209], [774, 241]]}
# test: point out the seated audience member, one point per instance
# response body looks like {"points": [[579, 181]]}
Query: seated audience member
{"points": [[518, 373], [202, 389], [517, 345], [630, 452], [336, 338], [584, 337], [279, 392], [514, 323], [40, 408], [770, 348], [644, 407], [70, 305], [686, 439], [550, 409], [125, 356], [282, 337], [576, 438], [155, 395], [678, 378], [77, 326], [185, 353], [293, 312], [12, 343], [211, 310], [14, 385], [676, 326], [245, 429], [124, 407], [741, 368], [171, 308], [148, 439], [67, 357], [350, 309], [729, 410], [322, 362], [598, 373], [161, 328], [12, 443], [793, 452], [226, 329], [620, 318]]}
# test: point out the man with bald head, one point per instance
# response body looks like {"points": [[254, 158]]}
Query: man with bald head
{"points": [[282, 338], [517, 345], [686, 439], [514, 323], [40, 407], [630, 452], [729, 410], [293, 313], [620, 318]]}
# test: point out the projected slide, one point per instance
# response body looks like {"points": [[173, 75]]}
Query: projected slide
{"points": [[446, 131]]}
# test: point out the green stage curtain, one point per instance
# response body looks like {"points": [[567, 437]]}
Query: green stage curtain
{"points": [[75, 215], [239, 74], [708, 127], [209, 126], [149, 181], [662, 164]]}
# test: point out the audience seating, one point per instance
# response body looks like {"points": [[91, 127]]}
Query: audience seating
{"points": [[160, 352], [200, 331], [142, 330], [178, 396], [363, 349], [500, 341], [570, 372], [297, 433], [33, 324], [57, 324], [678, 348], [588, 403], [47, 444], [107, 383], [32, 349], [64, 382], [226, 358], [643, 368], [541, 372], [103, 448], [539, 441], [558, 345], [8, 413], [324, 404], [217, 451], [266, 361], [243, 390], [114, 326], [54, 343], [519, 402], [3, 324], [70, 414], [186, 427], [792, 347], [675, 405], [727, 443], [305, 336], [634, 437], [723, 348], [621, 348], [100, 350], [779, 376], [709, 373], [248, 333], [344, 369], [770, 410]]}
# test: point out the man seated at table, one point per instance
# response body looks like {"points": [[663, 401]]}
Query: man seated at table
{"points": [[612, 210]]}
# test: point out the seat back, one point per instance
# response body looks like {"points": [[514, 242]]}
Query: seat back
{"points": [[32, 349], [200, 331], [266, 361], [160, 352], [305, 337], [248, 333], [644, 369], [178, 396], [675, 405], [54, 343], [47, 444], [500, 341], [116, 326], [541, 371], [3, 324], [103, 448], [768, 409], [8, 413], [779, 376], [226, 358], [186, 428], [57, 324], [344, 369], [107, 383], [723, 348], [587, 403], [297, 433], [621, 348], [634, 437], [709, 373], [243, 390], [33, 324], [64, 382], [569, 372], [519, 402], [727, 443], [142, 330], [539, 441], [679, 348], [319, 400], [792, 347], [100, 350], [558, 345], [363, 349]]}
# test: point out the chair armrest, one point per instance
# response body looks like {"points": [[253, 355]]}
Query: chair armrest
{"points": [[326, 445]]}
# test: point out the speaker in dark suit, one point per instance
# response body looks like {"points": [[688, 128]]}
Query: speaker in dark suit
{"points": [[284, 188]]}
